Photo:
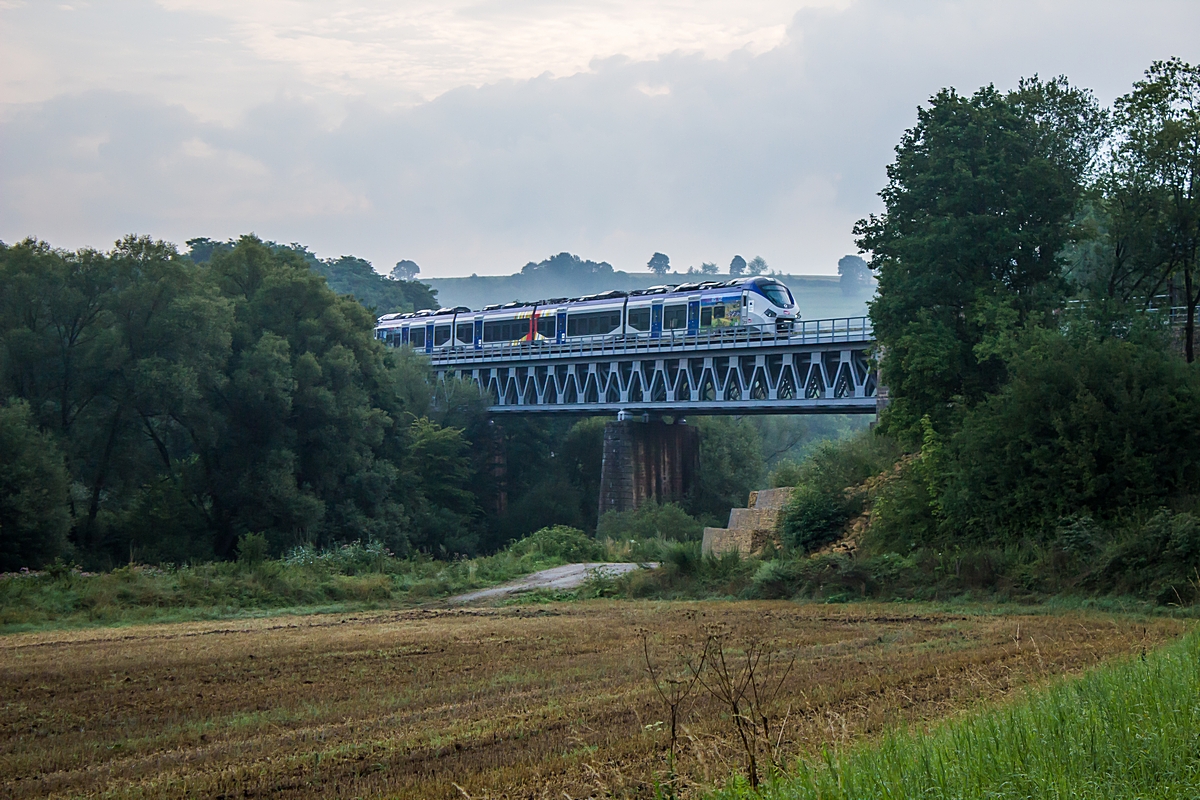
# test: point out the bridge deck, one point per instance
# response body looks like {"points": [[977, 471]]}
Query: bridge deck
{"points": [[820, 367]]}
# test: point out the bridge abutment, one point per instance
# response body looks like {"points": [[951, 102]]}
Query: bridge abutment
{"points": [[649, 460]]}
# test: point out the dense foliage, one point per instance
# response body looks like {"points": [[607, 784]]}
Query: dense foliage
{"points": [[1047, 405], [978, 207], [193, 403]]}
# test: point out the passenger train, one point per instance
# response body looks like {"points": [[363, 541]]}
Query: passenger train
{"points": [[757, 303]]}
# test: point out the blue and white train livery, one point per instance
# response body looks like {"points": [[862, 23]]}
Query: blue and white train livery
{"points": [[689, 309]]}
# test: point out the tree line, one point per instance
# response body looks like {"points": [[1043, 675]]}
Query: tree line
{"points": [[157, 406], [1031, 249]]}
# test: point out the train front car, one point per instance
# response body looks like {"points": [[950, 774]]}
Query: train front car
{"points": [[769, 305]]}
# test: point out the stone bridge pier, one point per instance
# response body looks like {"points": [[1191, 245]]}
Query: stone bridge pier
{"points": [[647, 458]]}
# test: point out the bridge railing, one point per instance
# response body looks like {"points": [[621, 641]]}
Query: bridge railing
{"points": [[850, 330]]}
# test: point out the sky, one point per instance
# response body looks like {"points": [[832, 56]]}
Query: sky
{"points": [[472, 136]]}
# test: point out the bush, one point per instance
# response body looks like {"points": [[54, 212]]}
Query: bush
{"points": [[650, 521], [1157, 560], [560, 542], [252, 548], [786, 473], [821, 506], [836, 465], [813, 518], [1084, 425]]}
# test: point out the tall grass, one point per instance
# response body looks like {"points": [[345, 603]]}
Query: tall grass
{"points": [[305, 579], [1126, 730]]}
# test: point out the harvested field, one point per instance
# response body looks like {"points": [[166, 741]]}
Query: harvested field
{"points": [[533, 701]]}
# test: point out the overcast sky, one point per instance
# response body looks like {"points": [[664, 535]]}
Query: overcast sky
{"points": [[476, 136]]}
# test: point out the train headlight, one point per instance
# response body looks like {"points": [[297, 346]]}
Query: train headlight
{"points": [[770, 314]]}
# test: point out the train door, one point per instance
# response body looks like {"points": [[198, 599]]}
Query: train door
{"points": [[478, 333], [693, 317], [746, 307], [560, 325], [404, 335], [428, 337], [656, 311]]}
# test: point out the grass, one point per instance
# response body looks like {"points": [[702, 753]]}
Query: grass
{"points": [[1124, 730], [541, 699], [349, 578]]}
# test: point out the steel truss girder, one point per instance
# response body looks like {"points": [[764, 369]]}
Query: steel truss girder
{"points": [[774, 377]]}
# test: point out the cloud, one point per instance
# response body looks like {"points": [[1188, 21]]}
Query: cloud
{"points": [[774, 152]]}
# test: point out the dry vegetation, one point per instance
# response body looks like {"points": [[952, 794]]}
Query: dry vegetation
{"points": [[534, 701]]}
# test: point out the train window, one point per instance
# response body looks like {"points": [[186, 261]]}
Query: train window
{"points": [[674, 317], [441, 335], [464, 332], [718, 312], [778, 294], [706, 317], [416, 338], [639, 318], [593, 323], [546, 327], [505, 330]]}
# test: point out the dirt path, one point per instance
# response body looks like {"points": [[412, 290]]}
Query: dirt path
{"points": [[570, 576]]}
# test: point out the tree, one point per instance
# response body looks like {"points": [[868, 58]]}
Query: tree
{"points": [[757, 266], [731, 466], [659, 264], [854, 275], [405, 271], [34, 518], [1155, 184], [737, 266], [978, 206], [708, 268], [567, 265]]}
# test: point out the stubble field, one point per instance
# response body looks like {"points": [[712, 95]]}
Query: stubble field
{"points": [[518, 702]]}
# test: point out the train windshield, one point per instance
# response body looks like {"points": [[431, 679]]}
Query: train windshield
{"points": [[778, 294]]}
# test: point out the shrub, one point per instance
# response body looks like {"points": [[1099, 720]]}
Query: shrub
{"points": [[813, 518], [1157, 559], [650, 521], [821, 506], [569, 544], [786, 473], [1085, 425], [252, 548]]}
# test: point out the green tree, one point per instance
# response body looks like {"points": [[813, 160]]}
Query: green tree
{"points": [[731, 466], [737, 266], [567, 265], [405, 270], [34, 519], [1154, 188], [854, 275], [659, 264], [113, 351], [303, 442], [978, 207], [757, 266]]}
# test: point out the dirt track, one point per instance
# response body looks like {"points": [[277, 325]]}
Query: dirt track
{"points": [[570, 576]]}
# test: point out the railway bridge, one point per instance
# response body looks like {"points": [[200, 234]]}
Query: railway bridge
{"points": [[652, 384], [818, 367]]}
